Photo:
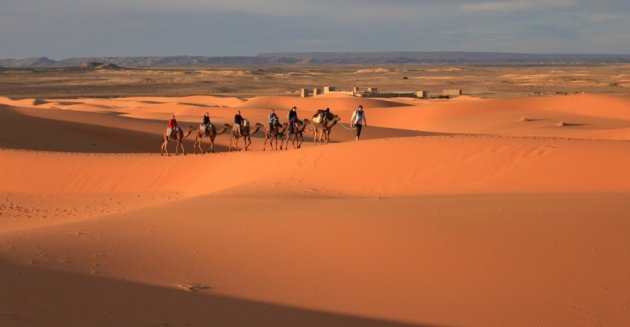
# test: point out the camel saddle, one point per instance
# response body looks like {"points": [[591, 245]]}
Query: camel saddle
{"points": [[205, 129], [172, 131]]}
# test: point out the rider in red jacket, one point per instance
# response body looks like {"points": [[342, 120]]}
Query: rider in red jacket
{"points": [[172, 123]]}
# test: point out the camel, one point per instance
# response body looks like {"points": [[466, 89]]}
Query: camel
{"points": [[321, 130], [178, 137], [296, 136], [273, 134], [246, 135], [211, 133]]}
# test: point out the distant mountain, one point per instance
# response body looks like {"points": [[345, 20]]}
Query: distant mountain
{"points": [[331, 58], [451, 58], [27, 62]]}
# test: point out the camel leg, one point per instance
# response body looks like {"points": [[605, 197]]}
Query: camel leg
{"points": [[181, 144], [165, 147], [211, 148], [248, 142], [196, 145]]}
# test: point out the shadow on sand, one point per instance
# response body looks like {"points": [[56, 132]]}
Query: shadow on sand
{"points": [[38, 297]]}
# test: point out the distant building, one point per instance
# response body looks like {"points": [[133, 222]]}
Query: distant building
{"points": [[422, 94], [375, 93], [329, 89], [452, 92]]}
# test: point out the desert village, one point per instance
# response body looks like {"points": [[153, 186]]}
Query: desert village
{"points": [[373, 92]]}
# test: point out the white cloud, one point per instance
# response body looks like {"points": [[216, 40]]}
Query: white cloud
{"points": [[509, 6]]}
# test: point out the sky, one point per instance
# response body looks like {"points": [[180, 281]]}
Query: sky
{"points": [[62, 29]]}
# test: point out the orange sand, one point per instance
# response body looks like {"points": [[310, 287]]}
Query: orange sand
{"points": [[462, 212]]}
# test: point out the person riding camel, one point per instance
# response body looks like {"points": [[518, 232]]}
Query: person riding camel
{"points": [[292, 118], [273, 120], [238, 123], [206, 122], [172, 125]]}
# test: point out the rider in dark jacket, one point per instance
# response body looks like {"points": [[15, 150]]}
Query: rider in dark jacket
{"points": [[238, 122]]}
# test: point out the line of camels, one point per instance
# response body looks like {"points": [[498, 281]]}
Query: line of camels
{"points": [[321, 135]]}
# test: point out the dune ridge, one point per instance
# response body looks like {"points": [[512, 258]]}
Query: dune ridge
{"points": [[471, 165]]}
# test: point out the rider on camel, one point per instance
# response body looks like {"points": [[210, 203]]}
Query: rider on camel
{"points": [[273, 120], [238, 122], [172, 125], [292, 118], [206, 122]]}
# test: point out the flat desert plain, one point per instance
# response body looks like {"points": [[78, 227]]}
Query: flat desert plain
{"points": [[481, 210]]}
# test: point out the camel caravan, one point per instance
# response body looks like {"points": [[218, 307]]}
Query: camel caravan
{"points": [[292, 131]]}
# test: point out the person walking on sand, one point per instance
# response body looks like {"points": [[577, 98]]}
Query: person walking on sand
{"points": [[358, 120]]}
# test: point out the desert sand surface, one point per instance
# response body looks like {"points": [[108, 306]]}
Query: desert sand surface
{"points": [[471, 211]]}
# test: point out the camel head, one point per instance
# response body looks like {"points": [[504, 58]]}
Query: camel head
{"points": [[189, 130], [226, 127], [257, 127]]}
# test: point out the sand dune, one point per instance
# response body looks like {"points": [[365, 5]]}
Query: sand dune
{"points": [[594, 116], [334, 102], [461, 212], [423, 166]]}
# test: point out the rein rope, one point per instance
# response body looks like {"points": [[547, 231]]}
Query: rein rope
{"points": [[346, 128]]}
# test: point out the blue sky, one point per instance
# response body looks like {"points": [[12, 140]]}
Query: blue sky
{"points": [[75, 28]]}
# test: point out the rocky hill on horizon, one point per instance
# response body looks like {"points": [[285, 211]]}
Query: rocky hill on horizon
{"points": [[330, 58]]}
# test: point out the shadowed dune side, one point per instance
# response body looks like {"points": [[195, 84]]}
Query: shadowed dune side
{"points": [[31, 129], [67, 299], [71, 136]]}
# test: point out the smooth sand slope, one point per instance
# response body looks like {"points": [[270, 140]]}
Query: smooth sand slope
{"points": [[501, 221]]}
